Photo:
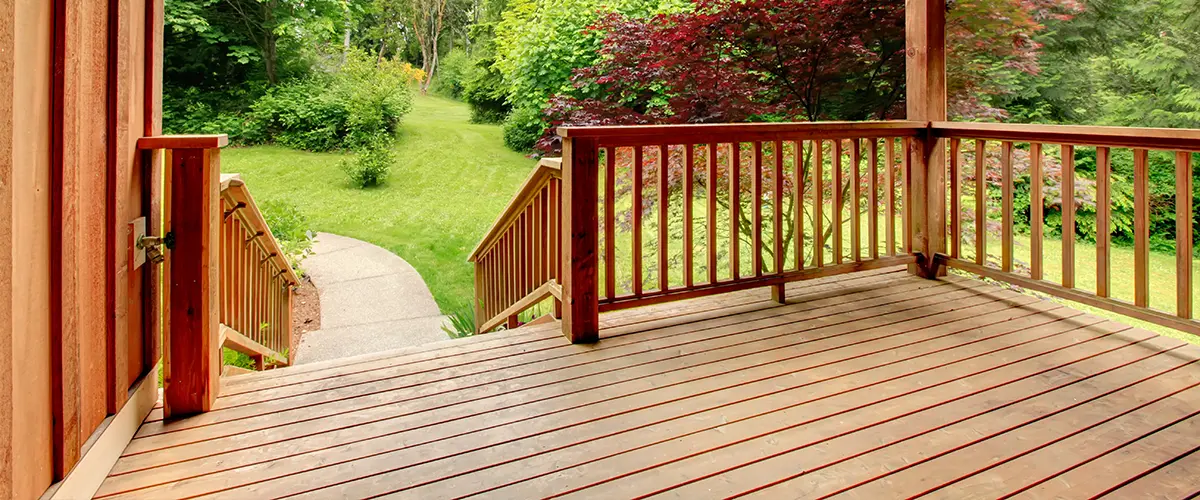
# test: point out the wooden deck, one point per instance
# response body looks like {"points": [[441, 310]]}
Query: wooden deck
{"points": [[874, 385]]}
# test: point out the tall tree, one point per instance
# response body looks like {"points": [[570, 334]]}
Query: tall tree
{"points": [[427, 18]]}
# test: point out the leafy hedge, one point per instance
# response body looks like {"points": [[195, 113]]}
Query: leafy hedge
{"points": [[344, 110]]}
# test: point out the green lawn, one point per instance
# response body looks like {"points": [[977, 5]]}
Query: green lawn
{"points": [[450, 181]]}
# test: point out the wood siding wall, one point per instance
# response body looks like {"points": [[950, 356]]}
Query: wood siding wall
{"points": [[73, 315]]}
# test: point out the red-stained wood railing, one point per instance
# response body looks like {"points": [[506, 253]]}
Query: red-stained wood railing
{"points": [[517, 263], [256, 281], [217, 278], [724, 215], [626, 232], [1037, 138]]}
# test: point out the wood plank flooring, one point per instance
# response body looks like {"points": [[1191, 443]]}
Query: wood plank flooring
{"points": [[872, 385]]}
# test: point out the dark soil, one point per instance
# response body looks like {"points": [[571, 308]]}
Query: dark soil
{"points": [[306, 310]]}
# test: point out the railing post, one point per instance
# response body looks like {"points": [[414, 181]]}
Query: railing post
{"points": [[580, 222], [925, 30], [193, 356]]}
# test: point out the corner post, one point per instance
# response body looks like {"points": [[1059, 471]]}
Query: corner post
{"points": [[193, 354], [925, 30], [580, 222]]}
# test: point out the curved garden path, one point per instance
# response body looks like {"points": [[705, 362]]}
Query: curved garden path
{"points": [[371, 301]]}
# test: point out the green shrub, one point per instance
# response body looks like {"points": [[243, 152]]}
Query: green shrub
{"points": [[342, 110], [454, 71], [523, 128], [486, 93], [291, 229], [371, 165]]}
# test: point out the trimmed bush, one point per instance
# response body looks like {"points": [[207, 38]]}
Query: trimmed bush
{"points": [[371, 165], [342, 110], [523, 128]]}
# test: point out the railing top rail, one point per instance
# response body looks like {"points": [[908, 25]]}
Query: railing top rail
{"points": [[1122, 137], [235, 192], [213, 141], [742, 132], [547, 168]]}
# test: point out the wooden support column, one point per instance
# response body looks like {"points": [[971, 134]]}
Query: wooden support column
{"points": [[925, 28], [192, 354], [580, 222]]}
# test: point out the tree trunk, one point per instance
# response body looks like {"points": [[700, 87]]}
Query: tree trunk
{"points": [[270, 43], [345, 46], [270, 58]]}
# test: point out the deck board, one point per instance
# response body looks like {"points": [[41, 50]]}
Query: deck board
{"points": [[869, 385]]}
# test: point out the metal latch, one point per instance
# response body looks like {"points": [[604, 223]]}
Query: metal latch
{"points": [[151, 243], [144, 247]]}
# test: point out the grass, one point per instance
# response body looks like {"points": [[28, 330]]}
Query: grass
{"points": [[450, 181]]}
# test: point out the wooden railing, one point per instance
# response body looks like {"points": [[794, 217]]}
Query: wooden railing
{"points": [[1036, 143], [256, 281], [809, 200], [517, 263], [638, 234]]}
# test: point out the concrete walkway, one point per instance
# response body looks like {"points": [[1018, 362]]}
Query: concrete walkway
{"points": [[371, 301]]}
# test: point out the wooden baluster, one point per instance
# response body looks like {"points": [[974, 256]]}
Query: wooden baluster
{"points": [[545, 244], [836, 218], [193, 352], [637, 221], [778, 292], [818, 164], [247, 281], [777, 208], [559, 229], [1183, 234], [223, 285], [856, 202], [513, 269], [537, 246], [1141, 228], [1103, 222], [610, 217], [735, 210], [664, 160], [756, 221], [235, 271], [1006, 187], [1037, 207], [530, 249], [798, 203], [480, 283], [711, 199], [1068, 215], [980, 203], [889, 198], [906, 216], [522, 257], [581, 308], [689, 164], [955, 198], [873, 198]]}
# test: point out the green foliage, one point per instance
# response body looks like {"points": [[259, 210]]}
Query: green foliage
{"points": [[486, 94], [523, 128], [539, 44], [462, 323], [371, 165], [291, 229], [343, 110], [454, 71]]}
